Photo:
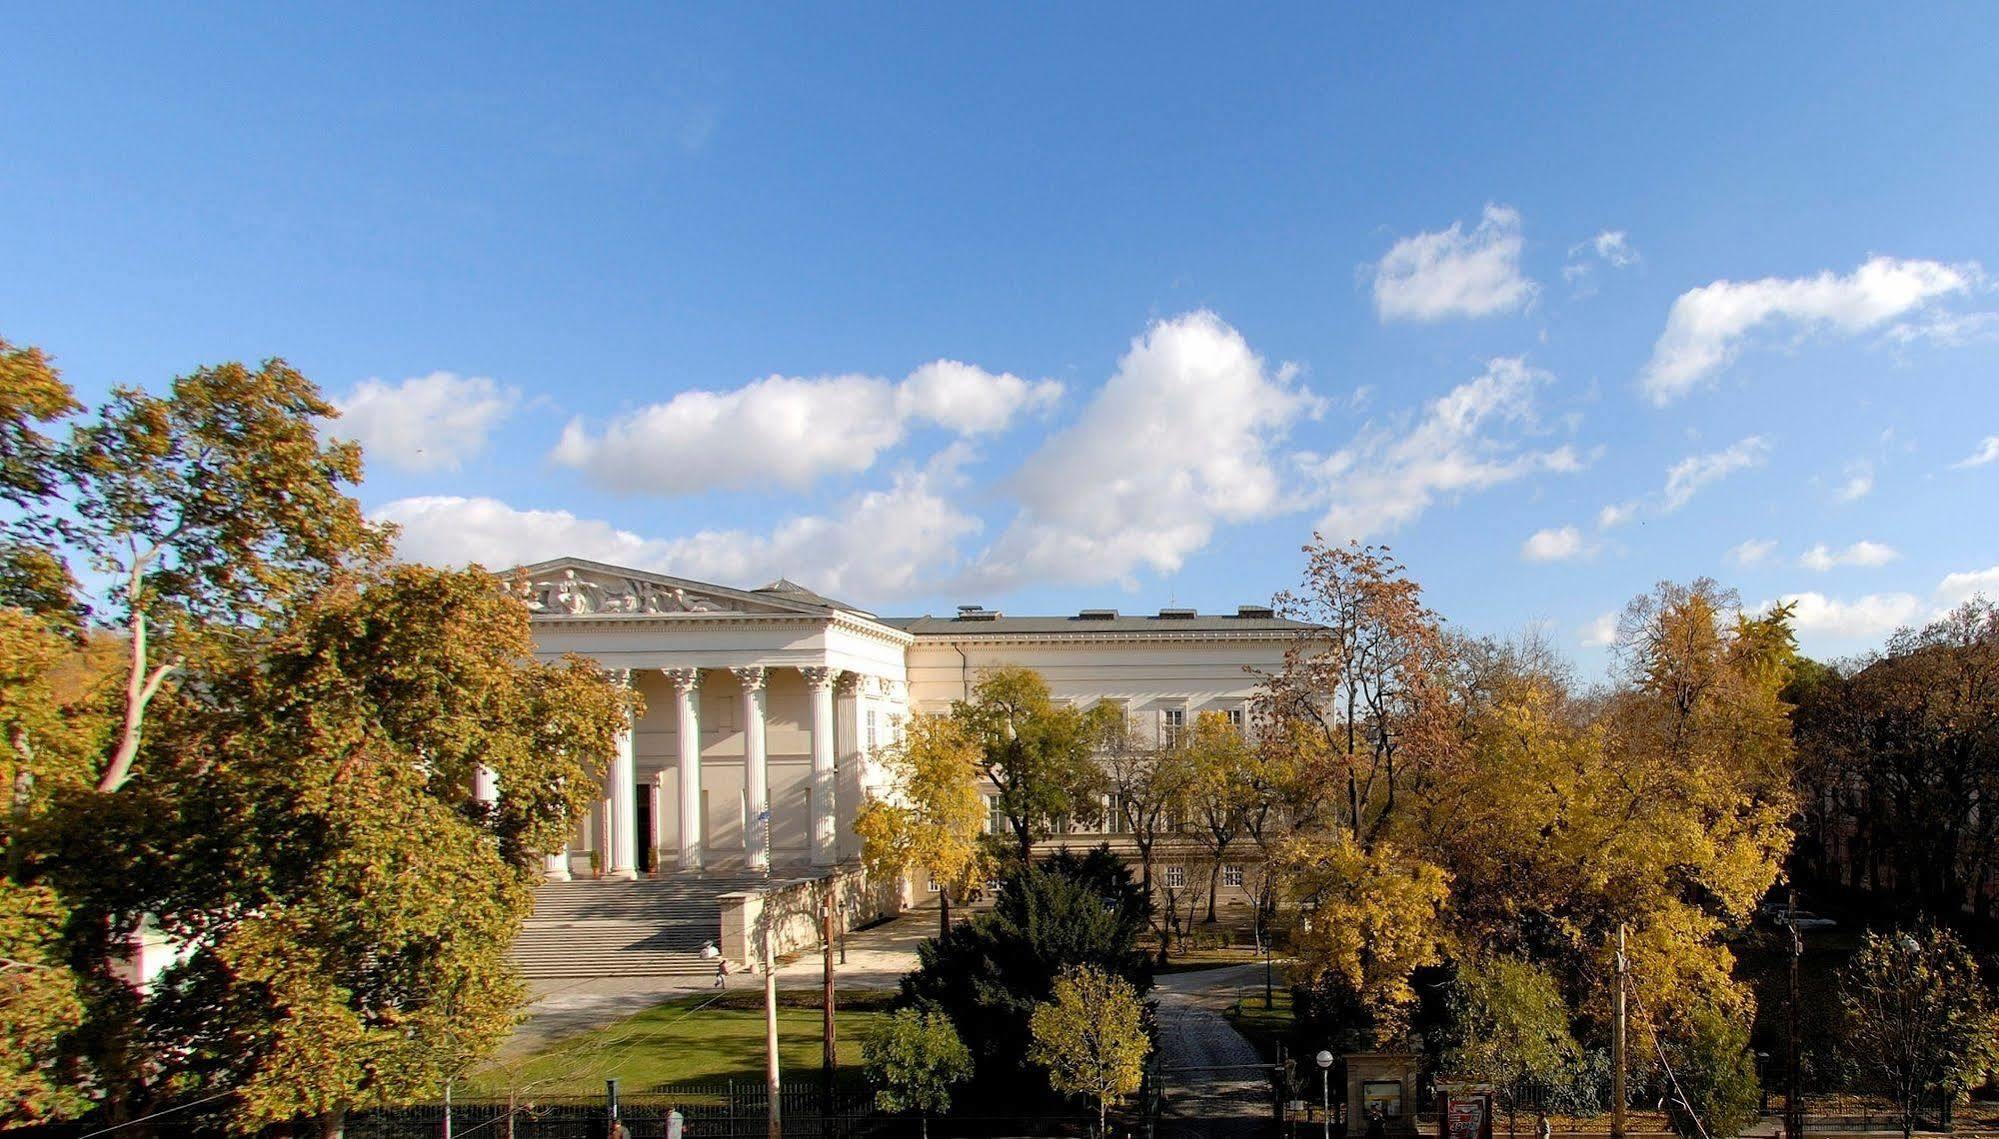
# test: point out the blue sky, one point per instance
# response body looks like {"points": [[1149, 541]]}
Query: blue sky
{"points": [[1045, 308]]}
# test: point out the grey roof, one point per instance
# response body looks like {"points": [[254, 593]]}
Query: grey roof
{"points": [[1085, 626], [787, 588]]}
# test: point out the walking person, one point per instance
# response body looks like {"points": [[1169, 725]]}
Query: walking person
{"points": [[675, 1124], [721, 972]]}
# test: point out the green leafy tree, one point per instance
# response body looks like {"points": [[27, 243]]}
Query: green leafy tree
{"points": [[914, 1058], [933, 814], [1091, 1037], [1037, 754], [1512, 1029], [1711, 1090], [1919, 1020], [989, 973]]}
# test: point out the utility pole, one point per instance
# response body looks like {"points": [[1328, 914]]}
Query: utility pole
{"points": [[829, 1058], [1617, 1062], [1794, 1102]]}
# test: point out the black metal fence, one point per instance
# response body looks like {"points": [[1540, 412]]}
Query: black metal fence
{"points": [[708, 1109]]}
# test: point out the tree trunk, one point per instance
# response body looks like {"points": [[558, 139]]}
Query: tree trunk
{"points": [[1214, 886], [333, 1124], [943, 911]]}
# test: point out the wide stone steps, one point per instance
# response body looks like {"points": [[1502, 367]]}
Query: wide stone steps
{"points": [[651, 927]]}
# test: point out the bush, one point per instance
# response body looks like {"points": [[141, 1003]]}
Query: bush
{"points": [[1709, 1053]]}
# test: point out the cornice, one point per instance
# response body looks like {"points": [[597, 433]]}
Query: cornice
{"points": [[1146, 637]]}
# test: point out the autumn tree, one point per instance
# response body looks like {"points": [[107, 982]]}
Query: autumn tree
{"points": [[1512, 1029], [1223, 792], [1091, 1037], [1367, 919], [1039, 755], [933, 813], [914, 1058], [1150, 780], [1359, 688], [1918, 1018]]}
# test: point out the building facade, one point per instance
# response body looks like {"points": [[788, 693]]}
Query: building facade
{"points": [[763, 707]]}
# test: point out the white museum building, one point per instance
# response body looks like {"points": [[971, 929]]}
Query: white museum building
{"points": [[762, 711], [773, 700]]}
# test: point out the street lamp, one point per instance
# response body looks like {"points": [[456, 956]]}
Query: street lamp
{"points": [[1325, 1060]]}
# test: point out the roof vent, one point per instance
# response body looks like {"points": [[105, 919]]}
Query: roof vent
{"points": [[976, 613], [1258, 611], [1097, 615], [1176, 614]]}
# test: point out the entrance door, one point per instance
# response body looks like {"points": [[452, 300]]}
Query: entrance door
{"points": [[648, 842]]}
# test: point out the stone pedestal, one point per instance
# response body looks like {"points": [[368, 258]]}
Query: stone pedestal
{"points": [[1385, 1080]]}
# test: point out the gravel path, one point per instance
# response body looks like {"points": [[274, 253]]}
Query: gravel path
{"points": [[1213, 1079]]}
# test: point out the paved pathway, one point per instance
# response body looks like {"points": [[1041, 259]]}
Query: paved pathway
{"points": [[1211, 1076], [876, 958]]}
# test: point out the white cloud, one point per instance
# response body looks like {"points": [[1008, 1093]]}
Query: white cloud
{"points": [[1822, 557], [1946, 329], [1181, 438], [426, 423], [1859, 482], [1871, 616], [1554, 545], [1600, 632], [1387, 477], [1692, 473], [971, 400], [1752, 552], [1986, 452], [789, 430], [1706, 326], [1616, 514], [1453, 273], [1958, 588], [879, 544], [1611, 245]]}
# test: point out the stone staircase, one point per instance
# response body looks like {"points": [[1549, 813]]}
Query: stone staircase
{"points": [[652, 927]]}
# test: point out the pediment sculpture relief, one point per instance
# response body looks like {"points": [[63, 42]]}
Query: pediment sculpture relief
{"points": [[574, 595]]}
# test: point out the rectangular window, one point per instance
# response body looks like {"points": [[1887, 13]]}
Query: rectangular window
{"points": [[931, 885], [873, 735], [1235, 718], [1175, 876], [1171, 722], [1232, 876]]}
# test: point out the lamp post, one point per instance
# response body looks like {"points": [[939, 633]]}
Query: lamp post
{"points": [[1325, 1060]]}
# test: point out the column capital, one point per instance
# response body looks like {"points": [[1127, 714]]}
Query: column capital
{"points": [[751, 676], [820, 677], [622, 677], [682, 679], [848, 682]]}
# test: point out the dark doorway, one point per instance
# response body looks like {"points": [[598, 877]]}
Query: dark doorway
{"points": [[648, 855]]}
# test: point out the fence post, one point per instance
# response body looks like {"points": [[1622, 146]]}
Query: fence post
{"points": [[611, 1108]]}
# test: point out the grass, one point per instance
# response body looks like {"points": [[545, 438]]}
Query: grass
{"points": [[699, 1038], [1264, 1027]]}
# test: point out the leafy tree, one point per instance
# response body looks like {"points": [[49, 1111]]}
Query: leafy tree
{"points": [[1150, 782], [1512, 1029], [344, 905], [1361, 689], [933, 813], [987, 974], [914, 1058], [1036, 753], [1091, 1037], [1919, 1020], [1711, 1085], [1223, 791], [1371, 918]]}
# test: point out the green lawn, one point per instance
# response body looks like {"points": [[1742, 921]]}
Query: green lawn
{"points": [[693, 1038], [1263, 1027]]}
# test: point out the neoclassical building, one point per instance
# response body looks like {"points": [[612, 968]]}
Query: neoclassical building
{"points": [[763, 706]]}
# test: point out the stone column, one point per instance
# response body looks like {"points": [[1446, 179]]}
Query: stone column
{"points": [[847, 754], [687, 702], [756, 769], [555, 867], [825, 779], [485, 785], [621, 788]]}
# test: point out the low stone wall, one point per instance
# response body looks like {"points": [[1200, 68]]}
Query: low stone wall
{"points": [[793, 908]]}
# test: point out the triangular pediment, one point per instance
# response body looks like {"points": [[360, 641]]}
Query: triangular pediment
{"points": [[578, 587]]}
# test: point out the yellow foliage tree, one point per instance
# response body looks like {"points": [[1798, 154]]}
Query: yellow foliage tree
{"points": [[933, 813], [1091, 1038], [1370, 916]]}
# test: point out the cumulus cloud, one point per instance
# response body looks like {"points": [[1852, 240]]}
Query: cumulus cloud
{"points": [[1822, 557], [1554, 545], [1958, 588], [879, 544], [1987, 451], [1859, 482], [1600, 631], [425, 423], [1874, 615], [1181, 438], [1689, 475], [1752, 552], [789, 430], [1616, 514], [1431, 276], [1706, 326], [1469, 439]]}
